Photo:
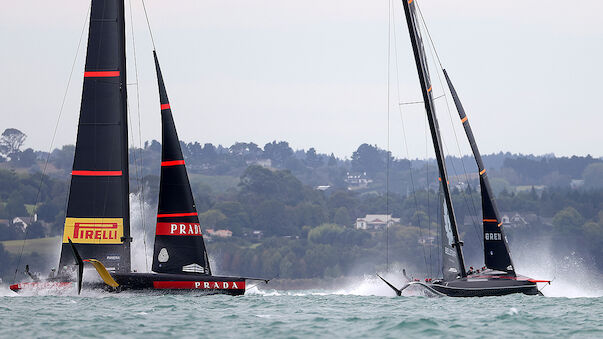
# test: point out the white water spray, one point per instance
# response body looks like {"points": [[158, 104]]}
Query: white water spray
{"points": [[141, 258], [571, 275], [372, 285]]}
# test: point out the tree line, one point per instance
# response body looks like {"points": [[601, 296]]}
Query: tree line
{"points": [[309, 232]]}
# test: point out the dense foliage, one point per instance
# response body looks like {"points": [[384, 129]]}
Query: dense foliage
{"points": [[283, 225]]}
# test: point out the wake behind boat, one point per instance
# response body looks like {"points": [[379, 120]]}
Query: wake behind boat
{"points": [[97, 224], [498, 277]]}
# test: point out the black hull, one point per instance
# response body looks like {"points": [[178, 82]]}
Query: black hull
{"points": [[156, 283], [180, 283], [481, 287], [487, 284]]}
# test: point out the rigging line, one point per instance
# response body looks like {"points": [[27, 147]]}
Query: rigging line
{"points": [[410, 103], [144, 7], [433, 51], [440, 235], [418, 102], [475, 227], [389, 39], [412, 182], [414, 191], [428, 183], [139, 163], [54, 134], [428, 34], [475, 219], [463, 194]]}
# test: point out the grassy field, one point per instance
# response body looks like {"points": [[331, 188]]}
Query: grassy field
{"points": [[42, 246], [30, 208]]}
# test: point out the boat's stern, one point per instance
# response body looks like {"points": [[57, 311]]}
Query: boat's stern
{"points": [[488, 284], [177, 283]]}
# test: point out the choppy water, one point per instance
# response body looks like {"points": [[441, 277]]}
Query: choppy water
{"points": [[366, 310]]}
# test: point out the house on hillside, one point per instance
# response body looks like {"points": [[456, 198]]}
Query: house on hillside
{"points": [[509, 219], [24, 222], [376, 221], [219, 233], [514, 219], [266, 163], [576, 184], [257, 234], [357, 181]]}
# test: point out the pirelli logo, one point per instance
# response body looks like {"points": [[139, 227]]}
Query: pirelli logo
{"points": [[93, 230]]}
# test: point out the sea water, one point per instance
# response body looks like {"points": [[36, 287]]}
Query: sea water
{"points": [[365, 309]]}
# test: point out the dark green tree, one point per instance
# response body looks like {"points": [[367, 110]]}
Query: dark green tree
{"points": [[211, 218], [11, 141], [278, 152], [593, 176], [271, 216], [369, 159], [312, 159], [568, 221], [35, 230], [16, 207], [342, 217]]}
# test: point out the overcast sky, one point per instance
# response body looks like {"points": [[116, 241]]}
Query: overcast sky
{"points": [[314, 72]]}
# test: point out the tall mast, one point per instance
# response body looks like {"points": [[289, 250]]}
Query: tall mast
{"points": [[426, 89], [496, 249], [127, 238], [98, 210]]}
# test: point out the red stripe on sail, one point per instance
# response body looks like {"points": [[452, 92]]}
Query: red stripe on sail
{"points": [[101, 74], [180, 228], [97, 173], [169, 215], [165, 106], [199, 285], [172, 163]]}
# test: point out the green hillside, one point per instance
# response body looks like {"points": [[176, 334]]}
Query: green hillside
{"points": [[42, 246]]}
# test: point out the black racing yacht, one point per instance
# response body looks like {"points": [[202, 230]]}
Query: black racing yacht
{"points": [[97, 224], [498, 277]]}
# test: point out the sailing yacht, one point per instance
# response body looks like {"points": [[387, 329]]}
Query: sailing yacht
{"points": [[498, 277], [97, 223]]}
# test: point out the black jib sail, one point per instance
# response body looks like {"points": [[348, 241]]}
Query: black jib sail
{"points": [[179, 246], [97, 218], [426, 89], [496, 249]]}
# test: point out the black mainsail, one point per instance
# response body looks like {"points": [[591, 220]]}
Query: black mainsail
{"points": [[179, 245], [426, 89], [97, 218], [496, 249]]}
